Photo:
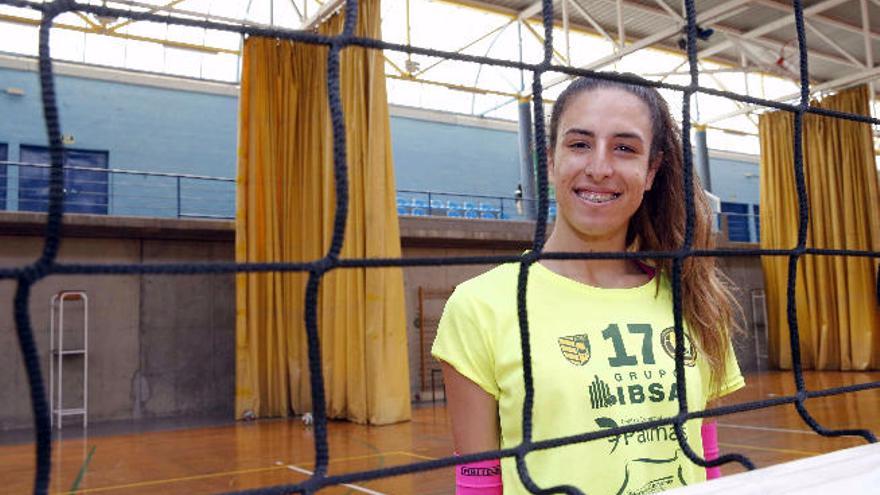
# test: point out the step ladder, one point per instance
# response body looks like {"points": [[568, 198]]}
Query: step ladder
{"points": [[60, 354]]}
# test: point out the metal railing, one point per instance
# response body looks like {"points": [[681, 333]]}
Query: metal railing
{"points": [[24, 187], [464, 205]]}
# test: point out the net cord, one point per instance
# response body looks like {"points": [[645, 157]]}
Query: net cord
{"points": [[529, 259], [313, 38], [684, 252], [803, 224], [46, 264], [223, 267]]}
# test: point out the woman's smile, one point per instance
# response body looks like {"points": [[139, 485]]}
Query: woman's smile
{"points": [[596, 197]]}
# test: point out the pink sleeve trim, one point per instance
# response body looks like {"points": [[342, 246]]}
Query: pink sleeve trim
{"points": [[709, 431], [478, 478]]}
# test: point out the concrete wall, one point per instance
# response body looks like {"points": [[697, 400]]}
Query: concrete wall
{"points": [[163, 346], [747, 278], [158, 346]]}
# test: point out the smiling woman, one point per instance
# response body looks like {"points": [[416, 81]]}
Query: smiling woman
{"points": [[601, 333], [601, 166]]}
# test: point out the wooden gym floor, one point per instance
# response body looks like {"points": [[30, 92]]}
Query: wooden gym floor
{"points": [[248, 455]]}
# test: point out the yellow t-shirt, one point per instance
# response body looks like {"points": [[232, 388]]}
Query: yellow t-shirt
{"points": [[600, 358]]}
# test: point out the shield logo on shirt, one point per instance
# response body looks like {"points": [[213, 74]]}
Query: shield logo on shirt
{"points": [[575, 349], [667, 338]]}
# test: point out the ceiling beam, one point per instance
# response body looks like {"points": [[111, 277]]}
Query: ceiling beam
{"points": [[656, 11], [841, 82], [533, 10], [296, 8], [157, 8], [538, 36], [467, 45], [777, 45], [326, 10], [866, 34], [716, 14], [830, 21], [833, 44], [27, 21], [598, 27], [725, 29], [669, 11], [621, 26], [193, 13], [769, 27], [759, 40]]}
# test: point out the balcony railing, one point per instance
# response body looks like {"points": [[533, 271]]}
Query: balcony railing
{"points": [[25, 187]]}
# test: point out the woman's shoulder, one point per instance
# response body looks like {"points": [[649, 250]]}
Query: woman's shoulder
{"points": [[498, 278], [495, 287]]}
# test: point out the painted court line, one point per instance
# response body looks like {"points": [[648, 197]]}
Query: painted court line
{"points": [[413, 454], [174, 480], [353, 487], [279, 465], [768, 428], [802, 453]]}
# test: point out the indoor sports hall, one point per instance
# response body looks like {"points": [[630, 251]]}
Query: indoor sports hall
{"points": [[235, 237]]}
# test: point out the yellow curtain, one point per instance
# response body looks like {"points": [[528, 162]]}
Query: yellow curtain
{"points": [[286, 202], [838, 312]]}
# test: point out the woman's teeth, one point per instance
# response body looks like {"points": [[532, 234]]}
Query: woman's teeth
{"points": [[595, 197]]}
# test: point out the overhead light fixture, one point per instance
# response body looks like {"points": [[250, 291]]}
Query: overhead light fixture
{"points": [[703, 34], [411, 66]]}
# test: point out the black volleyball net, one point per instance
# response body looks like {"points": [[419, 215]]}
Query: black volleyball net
{"points": [[47, 265]]}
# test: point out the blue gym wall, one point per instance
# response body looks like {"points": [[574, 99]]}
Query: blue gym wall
{"points": [[432, 156], [185, 132], [143, 128], [736, 183], [734, 180]]}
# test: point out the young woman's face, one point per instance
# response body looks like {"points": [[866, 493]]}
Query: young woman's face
{"points": [[601, 164]]}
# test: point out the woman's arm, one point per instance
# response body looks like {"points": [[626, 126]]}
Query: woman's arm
{"points": [[474, 413]]}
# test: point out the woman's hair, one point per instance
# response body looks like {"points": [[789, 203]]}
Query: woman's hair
{"points": [[659, 224]]}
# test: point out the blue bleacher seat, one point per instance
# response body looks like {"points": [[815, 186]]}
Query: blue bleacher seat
{"points": [[471, 214], [453, 205], [420, 203], [438, 207], [469, 206], [487, 214], [454, 213], [489, 207], [552, 211], [403, 201], [402, 210], [420, 212]]}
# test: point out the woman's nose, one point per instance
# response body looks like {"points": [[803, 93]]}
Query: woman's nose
{"points": [[598, 166]]}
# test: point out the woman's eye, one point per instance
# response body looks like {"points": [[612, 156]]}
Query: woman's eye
{"points": [[580, 145], [625, 148]]}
